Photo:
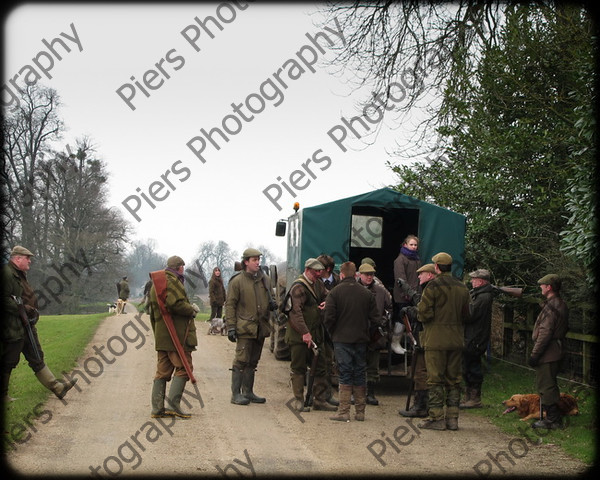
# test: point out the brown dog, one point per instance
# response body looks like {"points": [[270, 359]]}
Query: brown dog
{"points": [[528, 405]]}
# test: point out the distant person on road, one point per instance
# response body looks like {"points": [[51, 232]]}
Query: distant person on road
{"points": [[123, 290], [247, 315], [549, 347], [216, 294], [18, 332], [350, 311], [169, 366]]}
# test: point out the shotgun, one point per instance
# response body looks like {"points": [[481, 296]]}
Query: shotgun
{"points": [[27, 326], [512, 291], [311, 374], [413, 366]]}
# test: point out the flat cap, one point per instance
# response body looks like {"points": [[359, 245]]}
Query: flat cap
{"points": [[369, 260], [251, 252], [175, 262], [442, 258], [19, 250], [429, 267], [550, 279], [366, 268], [314, 264], [481, 273]]}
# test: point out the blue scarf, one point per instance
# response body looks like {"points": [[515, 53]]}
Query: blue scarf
{"points": [[411, 254]]}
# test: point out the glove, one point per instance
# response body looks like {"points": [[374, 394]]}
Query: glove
{"points": [[272, 305], [533, 361], [231, 335], [195, 307]]}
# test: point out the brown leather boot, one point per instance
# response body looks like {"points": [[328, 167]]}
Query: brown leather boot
{"points": [[360, 402], [297, 381], [343, 411]]}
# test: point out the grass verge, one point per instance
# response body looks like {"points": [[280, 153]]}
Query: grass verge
{"points": [[63, 339], [502, 380]]}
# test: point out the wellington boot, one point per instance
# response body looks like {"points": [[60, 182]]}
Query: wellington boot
{"points": [[320, 394], [553, 420], [396, 338], [157, 398], [371, 400], [236, 388], [360, 402], [297, 381], [58, 387], [248, 386], [419, 407], [343, 411], [174, 398]]}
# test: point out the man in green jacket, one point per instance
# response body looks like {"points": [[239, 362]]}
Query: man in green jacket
{"points": [[247, 315], [443, 309], [14, 335], [169, 367]]}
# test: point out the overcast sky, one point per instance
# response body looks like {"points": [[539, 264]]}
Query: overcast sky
{"points": [[252, 80]]}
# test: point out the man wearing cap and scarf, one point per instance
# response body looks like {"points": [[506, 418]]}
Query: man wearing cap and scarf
{"points": [[477, 336], [247, 315], [305, 326], [549, 334], [15, 339], [169, 366], [443, 308]]}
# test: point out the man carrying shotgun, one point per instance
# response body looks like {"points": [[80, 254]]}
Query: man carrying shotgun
{"points": [[172, 318], [18, 332], [419, 373]]}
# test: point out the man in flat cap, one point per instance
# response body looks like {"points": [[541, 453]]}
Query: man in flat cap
{"points": [[247, 316], [305, 326], [549, 347], [169, 366], [418, 409], [385, 308], [477, 336], [20, 306], [443, 309]]}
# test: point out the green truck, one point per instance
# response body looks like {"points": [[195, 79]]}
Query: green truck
{"points": [[373, 225]]}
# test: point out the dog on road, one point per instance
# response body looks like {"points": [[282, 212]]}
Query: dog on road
{"points": [[528, 405], [217, 326]]}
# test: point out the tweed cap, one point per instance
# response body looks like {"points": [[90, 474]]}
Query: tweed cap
{"points": [[481, 273], [175, 262], [550, 279], [442, 258], [366, 268], [429, 267], [370, 261], [19, 250], [314, 264], [251, 252]]}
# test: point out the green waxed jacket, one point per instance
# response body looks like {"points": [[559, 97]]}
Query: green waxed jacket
{"points": [[247, 305], [182, 313], [12, 328], [443, 310]]}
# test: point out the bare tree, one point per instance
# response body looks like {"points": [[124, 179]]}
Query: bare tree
{"points": [[27, 133]]}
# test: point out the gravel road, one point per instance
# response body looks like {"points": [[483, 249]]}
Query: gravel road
{"points": [[104, 427]]}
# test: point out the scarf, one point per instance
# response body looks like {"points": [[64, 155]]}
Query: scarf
{"points": [[411, 254], [179, 276]]}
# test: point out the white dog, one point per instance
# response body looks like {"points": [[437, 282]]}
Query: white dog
{"points": [[112, 307], [217, 325]]}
